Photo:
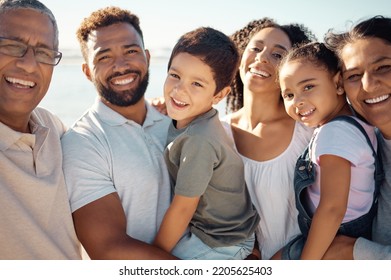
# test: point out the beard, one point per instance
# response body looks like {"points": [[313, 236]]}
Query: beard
{"points": [[126, 97]]}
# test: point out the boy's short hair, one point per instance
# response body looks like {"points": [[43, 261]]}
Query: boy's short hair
{"points": [[215, 49]]}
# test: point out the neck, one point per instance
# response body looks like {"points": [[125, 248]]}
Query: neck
{"points": [[386, 130], [261, 108], [20, 124], [136, 112]]}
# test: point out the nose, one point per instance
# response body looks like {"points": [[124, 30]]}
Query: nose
{"points": [[369, 82], [298, 101], [178, 89], [120, 63], [27, 62], [262, 57]]}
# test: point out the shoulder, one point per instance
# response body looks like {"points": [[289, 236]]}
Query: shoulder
{"points": [[45, 118], [87, 129]]}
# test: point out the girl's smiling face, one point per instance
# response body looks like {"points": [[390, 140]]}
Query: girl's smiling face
{"points": [[311, 94]]}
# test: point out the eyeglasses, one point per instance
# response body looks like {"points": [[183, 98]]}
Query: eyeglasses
{"points": [[18, 49]]}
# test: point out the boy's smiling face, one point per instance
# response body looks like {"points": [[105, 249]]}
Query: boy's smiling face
{"points": [[189, 89]]}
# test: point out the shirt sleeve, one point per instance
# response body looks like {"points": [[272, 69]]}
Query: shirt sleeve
{"points": [[197, 160], [341, 139], [368, 250], [86, 169]]}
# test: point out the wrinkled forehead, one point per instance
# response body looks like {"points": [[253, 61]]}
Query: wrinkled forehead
{"points": [[362, 53], [29, 26]]}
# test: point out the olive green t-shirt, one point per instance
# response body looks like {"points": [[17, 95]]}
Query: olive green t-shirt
{"points": [[202, 163]]}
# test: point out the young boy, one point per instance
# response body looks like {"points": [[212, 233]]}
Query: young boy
{"points": [[211, 215]]}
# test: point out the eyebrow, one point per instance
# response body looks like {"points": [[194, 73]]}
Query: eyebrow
{"points": [[306, 81], [39, 45], [124, 47], [194, 77], [276, 45], [380, 59]]}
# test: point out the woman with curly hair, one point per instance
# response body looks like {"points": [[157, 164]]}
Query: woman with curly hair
{"points": [[268, 140]]}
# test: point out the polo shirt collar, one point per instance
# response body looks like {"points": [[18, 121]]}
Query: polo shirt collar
{"points": [[10, 136], [113, 118]]}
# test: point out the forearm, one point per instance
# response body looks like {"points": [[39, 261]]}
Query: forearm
{"points": [[175, 222], [323, 229], [127, 248], [101, 228], [172, 228]]}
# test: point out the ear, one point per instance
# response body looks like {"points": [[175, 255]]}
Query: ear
{"points": [[339, 83], [86, 71], [147, 55], [221, 94]]}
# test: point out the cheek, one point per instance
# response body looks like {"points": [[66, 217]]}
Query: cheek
{"points": [[167, 87], [47, 76], [288, 107]]}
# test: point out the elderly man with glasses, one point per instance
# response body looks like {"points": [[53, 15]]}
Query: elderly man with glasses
{"points": [[35, 217]]}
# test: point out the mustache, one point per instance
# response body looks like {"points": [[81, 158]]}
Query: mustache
{"points": [[117, 74]]}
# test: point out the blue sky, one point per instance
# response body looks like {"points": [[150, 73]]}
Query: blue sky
{"points": [[164, 21]]}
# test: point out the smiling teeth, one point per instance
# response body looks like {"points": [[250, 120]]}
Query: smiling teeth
{"points": [[260, 73], [179, 102], [377, 99], [305, 114], [20, 82], [123, 82]]}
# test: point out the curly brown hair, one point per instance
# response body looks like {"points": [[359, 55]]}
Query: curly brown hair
{"points": [[297, 34], [102, 18]]}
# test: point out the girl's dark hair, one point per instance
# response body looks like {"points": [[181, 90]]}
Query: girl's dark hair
{"points": [[374, 27], [296, 33], [316, 53]]}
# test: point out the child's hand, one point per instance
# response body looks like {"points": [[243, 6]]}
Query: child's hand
{"points": [[159, 104]]}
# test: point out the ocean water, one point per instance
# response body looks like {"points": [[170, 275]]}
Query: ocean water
{"points": [[70, 93]]}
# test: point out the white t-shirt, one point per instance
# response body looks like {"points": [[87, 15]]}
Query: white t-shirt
{"points": [[343, 139], [105, 153], [270, 184]]}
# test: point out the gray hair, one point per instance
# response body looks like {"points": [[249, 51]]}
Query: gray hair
{"points": [[8, 5]]}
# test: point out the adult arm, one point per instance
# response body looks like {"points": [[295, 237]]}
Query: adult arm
{"points": [[380, 247], [335, 182], [103, 222], [348, 248], [363, 249], [175, 221]]}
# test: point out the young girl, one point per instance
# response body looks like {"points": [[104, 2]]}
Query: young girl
{"points": [[211, 215], [334, 180]]}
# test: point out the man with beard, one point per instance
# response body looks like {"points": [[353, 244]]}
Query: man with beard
{"points": [[117, 179]]}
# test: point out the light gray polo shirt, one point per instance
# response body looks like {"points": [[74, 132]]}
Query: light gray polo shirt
{"points": [[105, 153]]}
